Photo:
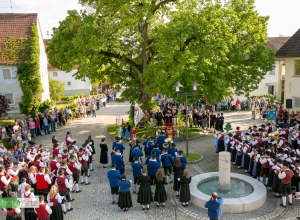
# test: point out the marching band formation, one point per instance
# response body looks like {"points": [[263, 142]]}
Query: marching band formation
{"points": [[53, 176], [161, 153], [267, 155]]}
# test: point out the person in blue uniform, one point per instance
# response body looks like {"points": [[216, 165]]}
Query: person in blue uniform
{"points": [[117, 159], [137, 152], [160, 140], [136, 171], [173, 151], [167, 161], [125, 201], [150, 145], [153, 166], [182, 159], [145, 144], [114, 176], [119, 145], [156, 151]]}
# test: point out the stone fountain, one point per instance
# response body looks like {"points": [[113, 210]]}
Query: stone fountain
{"points": [[241, 193]]}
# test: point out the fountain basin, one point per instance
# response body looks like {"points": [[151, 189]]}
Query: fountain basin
{"points": [[244, 204]]}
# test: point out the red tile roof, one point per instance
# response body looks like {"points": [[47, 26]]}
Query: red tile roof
{"points": [[16, 26]]}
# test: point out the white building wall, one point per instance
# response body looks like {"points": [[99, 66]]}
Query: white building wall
{"points": [[269, 79], [11, 87], [292, 83], [72, 85], [43, 67]]}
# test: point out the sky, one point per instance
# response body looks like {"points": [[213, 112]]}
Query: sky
{"points": [[284, 14]]}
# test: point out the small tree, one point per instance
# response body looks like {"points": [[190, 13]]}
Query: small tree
{"points": [[4, 105], [57, 89]]}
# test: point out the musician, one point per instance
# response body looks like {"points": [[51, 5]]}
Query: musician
{"points": [[221, 146], [33, 149], [64, 188], [239, 153], [29, 157], [152, 168], [157, 152], [75, 147], [42, 182], [83, 160], [296, 177], [246, 156], [269, 128], [276, 186], [63, 166], [265, 167], [173, 151], [167, 161], [286, 176], [237, 133], [259, 140], [287, 132], [282, 141], [114, 176], [117, 159], [56, 151], [74, 166], [136, 171], [13, 213], [54, 164], [43, 211], [65, 154], [263, 128], [296, 135], [117, 143], [145, 144], [137, 152], [150, 145], [183, 160], [69, 139], [4, 182], [90, 151], [161, 139], [14, 182], [272, 164]]}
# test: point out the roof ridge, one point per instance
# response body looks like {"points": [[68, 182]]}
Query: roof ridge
{"points": [[292, 47]]}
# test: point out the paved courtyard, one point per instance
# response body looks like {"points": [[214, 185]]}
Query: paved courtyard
{"points": [[95, 200]]}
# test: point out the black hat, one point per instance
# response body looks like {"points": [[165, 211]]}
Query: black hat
{"points": [[254, 147], [180, 152], [80, 149], [173, 145], [267, 152], [298, 160], [279, 160], [279, 150], [259, 151], [253, 135], [246, 141], [286, 151], [260, 129], [257, 135], [113, 165], [247, 134], [230, 135], [292, 154]]}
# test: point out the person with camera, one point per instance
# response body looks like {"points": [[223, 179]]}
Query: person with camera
{"points": [[214, 206]]}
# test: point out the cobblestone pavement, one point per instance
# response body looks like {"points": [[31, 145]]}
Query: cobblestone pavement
{"points": [[95, 200]]}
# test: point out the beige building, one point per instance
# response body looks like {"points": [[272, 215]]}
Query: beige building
{"points": [[290, 51]]}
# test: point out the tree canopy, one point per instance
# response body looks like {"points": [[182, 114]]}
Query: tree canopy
{"points": [[56, 88], [148, 45]]}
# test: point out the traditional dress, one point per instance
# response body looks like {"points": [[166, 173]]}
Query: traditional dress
{"points": [[103, 153], [144, 195], [55, 207], [29, 212], [185, 195], [160, 195], [125, 200], [13, 214], [177, 175], [127, 133]]}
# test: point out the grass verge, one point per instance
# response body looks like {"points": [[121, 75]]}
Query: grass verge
{"points": [[192, 157]]}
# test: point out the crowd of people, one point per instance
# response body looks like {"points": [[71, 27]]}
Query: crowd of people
{"points": [[269, 153], [164, 164], [52, 175]]}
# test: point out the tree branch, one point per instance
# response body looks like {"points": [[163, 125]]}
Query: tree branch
{"points": [[156, 7], [137, 68]]}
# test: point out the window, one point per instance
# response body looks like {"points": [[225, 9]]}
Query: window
{"points": [[271, 90], [54, 74], [68, 83], [297, 68], [297, 102], [272, 73], [7, 74], [10, 97]]}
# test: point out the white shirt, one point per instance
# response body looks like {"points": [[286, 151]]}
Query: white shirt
{"points": [[281, 175], [21, 187], [32, 178], [17, 210], [48, 209], [29, 157], [27, 193], [11, 172], [57, 197], [70, 139], [84, 157], [4, 180]]}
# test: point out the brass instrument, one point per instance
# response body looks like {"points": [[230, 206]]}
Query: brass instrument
{"points": [[274, 136], [168, 140]]}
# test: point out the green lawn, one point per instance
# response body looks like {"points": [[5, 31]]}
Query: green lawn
{"points": [[5, 121], [192, 157], [112, 130]]}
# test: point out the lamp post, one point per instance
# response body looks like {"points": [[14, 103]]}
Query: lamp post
{"points": [[177, 86]]}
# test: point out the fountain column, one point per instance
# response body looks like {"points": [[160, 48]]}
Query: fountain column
{"points": [[224, 170]]}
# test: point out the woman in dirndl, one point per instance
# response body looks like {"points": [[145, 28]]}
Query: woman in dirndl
{"points": [[29, 212], [185, 195], [13, 213], [144, 195], [125, 201], [54, 203], [160, 195], [177, 170], [103, 153]]}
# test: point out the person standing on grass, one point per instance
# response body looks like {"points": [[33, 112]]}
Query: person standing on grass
{"points": [[214, 206]]}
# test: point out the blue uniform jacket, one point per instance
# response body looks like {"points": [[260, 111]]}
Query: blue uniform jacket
{"points": [[157, 152], [172, 151], [118, 145], [183, 161], [124, 185], [114, 176], [167, 160], [160, 141], [136, 152], [137, 169], [118, 160], [153, 167]]}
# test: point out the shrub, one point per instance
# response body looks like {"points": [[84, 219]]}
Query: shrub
{"points": [[269, 96]]}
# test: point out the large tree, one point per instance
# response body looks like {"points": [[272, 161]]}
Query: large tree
{"points": [[148, 45], [56, 88]]}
